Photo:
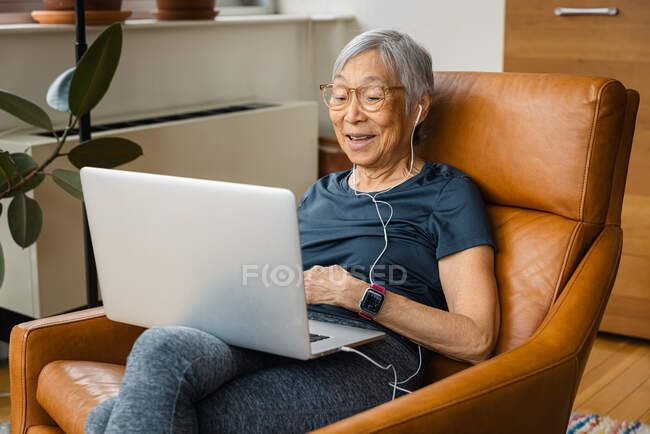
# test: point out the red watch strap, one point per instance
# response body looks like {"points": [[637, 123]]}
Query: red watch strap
{"points": [[378, 288], [365, 315]]}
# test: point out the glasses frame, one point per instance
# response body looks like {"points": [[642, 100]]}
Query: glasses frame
{"points": [[387, 90]]}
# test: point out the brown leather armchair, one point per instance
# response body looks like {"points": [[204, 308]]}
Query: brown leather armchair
{"points": [[550, 154]]}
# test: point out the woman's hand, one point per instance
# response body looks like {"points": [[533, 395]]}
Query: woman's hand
{"points": [[333, 285]]}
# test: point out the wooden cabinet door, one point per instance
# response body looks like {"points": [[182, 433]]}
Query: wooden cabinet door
{"points": [[537, 40]]}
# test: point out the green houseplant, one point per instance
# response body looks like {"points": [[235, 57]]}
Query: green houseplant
{"points": [[76, 91]]}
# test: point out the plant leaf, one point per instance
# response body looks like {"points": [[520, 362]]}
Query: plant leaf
{"points": [[95, 70], [2, 266], [25, 220], [24, 110], [25, 164], [57, 94], [7, 169], [106, 152], [69, 181]]}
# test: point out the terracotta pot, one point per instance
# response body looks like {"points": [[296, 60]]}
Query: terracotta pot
{"points": [[185, 4], [93, 5]]}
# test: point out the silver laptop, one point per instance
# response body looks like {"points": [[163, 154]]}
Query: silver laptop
{"points": [[217, 256]]}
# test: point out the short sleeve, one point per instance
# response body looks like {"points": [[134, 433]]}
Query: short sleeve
{"points": [[304, 197], [459, 218]]}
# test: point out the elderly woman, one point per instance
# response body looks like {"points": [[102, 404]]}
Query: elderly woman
{"points": [[414, 227]]}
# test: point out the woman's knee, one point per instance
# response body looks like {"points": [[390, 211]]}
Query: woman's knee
{"points": [[163, 342], [151, 343], [185, 361], [170, 350]]}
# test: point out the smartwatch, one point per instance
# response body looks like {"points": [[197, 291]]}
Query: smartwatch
{"points": [[371, 302]]}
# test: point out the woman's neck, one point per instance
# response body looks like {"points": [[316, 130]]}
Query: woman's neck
{"points": [[381, 178]]}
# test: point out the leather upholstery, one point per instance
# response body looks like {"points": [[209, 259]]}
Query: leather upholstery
{"points": [[529, 266], [69, 389], [622, 158], [85, 335], [530, 140], [550, 154]]}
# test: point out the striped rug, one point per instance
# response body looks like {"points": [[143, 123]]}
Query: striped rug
{"points": [[595, 424]]}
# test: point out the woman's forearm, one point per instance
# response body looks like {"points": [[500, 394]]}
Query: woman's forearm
{"points": [[451, 334]]}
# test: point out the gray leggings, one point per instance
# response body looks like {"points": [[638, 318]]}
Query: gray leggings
{"points": [[182, 380]]}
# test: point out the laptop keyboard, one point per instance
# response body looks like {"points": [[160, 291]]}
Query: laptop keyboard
{"points": [[313, 337]]}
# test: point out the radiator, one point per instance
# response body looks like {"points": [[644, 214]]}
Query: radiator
{"points": [[263, 144]]}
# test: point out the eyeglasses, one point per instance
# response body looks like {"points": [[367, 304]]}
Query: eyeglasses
{"points": [[371, 98]]}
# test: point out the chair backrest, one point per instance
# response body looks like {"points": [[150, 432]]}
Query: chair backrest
{"points": [[543, 150]]}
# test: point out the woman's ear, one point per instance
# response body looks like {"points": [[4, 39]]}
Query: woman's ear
{"points": [[425, 101]]}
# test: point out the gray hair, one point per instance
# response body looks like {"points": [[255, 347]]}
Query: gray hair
{"points": [[405, 58]]}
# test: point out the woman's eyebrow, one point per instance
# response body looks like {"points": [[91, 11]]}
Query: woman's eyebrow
{"points": [[369, 78]]}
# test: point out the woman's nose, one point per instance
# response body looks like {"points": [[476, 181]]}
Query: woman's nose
{"points": [[353, 112]]}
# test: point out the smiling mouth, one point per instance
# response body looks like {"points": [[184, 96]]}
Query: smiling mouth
{"points": [[359, 138]]}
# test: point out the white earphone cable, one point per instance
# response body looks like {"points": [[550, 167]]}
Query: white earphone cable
{"points": [[418, 370], [384, 225], [352, 350], [395, 383], [376, 202]]}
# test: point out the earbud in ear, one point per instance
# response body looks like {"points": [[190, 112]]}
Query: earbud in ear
{"points": [[417, 119]]}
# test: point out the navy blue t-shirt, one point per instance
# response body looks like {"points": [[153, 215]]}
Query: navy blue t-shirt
{"points": [[437, 212]]}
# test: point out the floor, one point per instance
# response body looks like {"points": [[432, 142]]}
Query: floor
{"points": [[616, 381]]}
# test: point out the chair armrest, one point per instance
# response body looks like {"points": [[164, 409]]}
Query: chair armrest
{"points": [[529, 389], [84, 335]]}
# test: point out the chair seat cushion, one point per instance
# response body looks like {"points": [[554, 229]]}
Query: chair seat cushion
{"points": [[69, 389]]}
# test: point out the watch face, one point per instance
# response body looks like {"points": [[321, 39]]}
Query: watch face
{"points": [[372, 301]]}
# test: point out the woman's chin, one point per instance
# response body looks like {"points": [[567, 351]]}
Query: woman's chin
{"points": [[360, 152]]}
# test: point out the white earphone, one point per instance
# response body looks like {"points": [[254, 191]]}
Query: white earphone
{"points": [[376, 202]]}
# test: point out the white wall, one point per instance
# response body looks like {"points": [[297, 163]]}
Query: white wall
{"points": [[169, 65], [459, 34], [175, 65]]}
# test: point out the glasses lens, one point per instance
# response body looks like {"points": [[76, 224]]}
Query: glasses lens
{"points": [[335, 97], [372, 97]]}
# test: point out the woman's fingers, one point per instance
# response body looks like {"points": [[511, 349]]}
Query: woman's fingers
{"points": [[326, 284]]}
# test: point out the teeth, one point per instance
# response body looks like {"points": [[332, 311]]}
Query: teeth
{"points": [[360, 137]]}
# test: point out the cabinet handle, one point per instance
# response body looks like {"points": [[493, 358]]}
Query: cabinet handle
{"points": [[586, 11]]}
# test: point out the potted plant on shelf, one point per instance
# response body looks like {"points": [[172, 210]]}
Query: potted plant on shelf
{"points": [[76, 91], [96, 11], [185, 10]]}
